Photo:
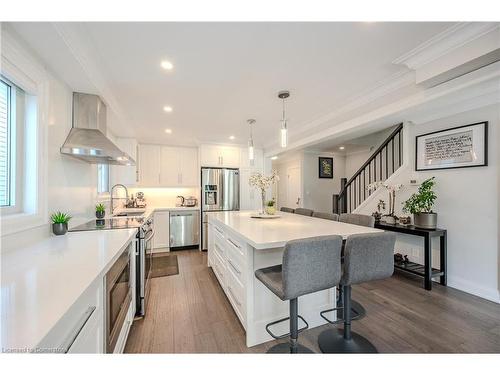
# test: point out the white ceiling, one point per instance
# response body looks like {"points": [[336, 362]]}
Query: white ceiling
{"points": [[225, 73]]}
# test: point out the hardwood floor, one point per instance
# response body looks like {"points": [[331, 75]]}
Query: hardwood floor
{"points": [[189, 313]]}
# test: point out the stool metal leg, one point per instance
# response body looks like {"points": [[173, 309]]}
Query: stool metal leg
{"points": [[344, 341], [357, 310], [292, 346]]}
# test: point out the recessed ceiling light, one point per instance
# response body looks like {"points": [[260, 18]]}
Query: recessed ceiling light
{"points": [[167, 108], [274, 157], [231, 137], [167, 65], [341, 148], [168, 131]]}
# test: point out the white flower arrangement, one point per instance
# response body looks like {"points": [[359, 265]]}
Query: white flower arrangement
{"points": [[262, 182], [392, 189], [258, 180]]}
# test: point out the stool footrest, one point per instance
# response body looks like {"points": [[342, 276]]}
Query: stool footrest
{"points": [[286, 334], [322, 313]]}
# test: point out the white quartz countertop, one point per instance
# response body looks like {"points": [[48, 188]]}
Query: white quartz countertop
{"points": [[41, 282], [273, 233]]}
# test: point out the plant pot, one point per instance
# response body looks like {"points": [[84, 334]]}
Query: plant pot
{"points": [[425, 220], [100, 214], [270, 210], [59, 228]]}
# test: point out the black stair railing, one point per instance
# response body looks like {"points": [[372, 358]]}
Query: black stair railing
{"points": [[383, 163]]}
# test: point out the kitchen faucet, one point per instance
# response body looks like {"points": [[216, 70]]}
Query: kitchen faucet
{"points": [[111, 193]]}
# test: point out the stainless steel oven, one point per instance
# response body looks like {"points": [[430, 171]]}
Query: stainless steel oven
{"points": [[144, 263], [118, 299]]}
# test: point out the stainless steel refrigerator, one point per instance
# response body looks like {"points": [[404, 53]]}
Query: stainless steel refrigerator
{"points": [[220, 191]]}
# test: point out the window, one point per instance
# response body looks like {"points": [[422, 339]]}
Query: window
{"points": [[6, 198], [102, 178]]}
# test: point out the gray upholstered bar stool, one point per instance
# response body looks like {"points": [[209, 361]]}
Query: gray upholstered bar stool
{"points": [[304, 211], [326, 215], [357, 310], [367, 257], [287, 209], [358, 219], [309, 265]]}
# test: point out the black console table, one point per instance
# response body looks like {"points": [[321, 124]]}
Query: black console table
{"points": [[426, 270]]}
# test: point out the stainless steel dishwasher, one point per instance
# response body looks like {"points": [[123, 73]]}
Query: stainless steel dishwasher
{"points": [[184, 229]]}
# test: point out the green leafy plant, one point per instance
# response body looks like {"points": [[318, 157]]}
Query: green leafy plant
{"points": [[99, 207], [270, 203], [423, 200], [60, 218]]}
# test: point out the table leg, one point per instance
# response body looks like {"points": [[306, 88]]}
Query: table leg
{"points": [[442, 259], [427, 263]]}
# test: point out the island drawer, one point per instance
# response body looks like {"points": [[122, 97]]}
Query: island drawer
{"points": [[219, 269], [236, 294], [236, 251]]}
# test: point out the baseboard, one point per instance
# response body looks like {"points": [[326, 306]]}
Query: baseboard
{"points": [[474, 289]]}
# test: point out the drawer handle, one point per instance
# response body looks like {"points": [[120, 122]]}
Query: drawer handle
{"points": [[218, 230], [234, 297], [234, 267], [219, 248], [232, 243], [74, 334]]}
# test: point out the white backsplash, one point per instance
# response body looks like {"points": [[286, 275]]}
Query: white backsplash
{"points": [[165, 197]]}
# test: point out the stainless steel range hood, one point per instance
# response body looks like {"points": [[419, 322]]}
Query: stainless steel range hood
{"points": [[87, 139]]}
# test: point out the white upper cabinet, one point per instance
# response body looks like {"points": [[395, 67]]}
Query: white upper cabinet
{"points": [[175, 166], [188, 167], [122, 174], [220, 156], [149, 165]]}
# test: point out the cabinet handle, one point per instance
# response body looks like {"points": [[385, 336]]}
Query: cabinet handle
{"points": [[234, 267], [234, 297], [74, 334], [218, 230], [232, 243]]}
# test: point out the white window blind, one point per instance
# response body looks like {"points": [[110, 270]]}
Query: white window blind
{"points": [[5, 132]]}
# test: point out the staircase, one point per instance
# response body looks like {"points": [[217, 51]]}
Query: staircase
{"points": [[379, 167]]}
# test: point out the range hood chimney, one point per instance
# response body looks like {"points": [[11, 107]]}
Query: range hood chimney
{"points": [[87, 139]]}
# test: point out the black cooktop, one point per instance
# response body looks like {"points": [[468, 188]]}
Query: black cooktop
{"points": [[113, 223]]}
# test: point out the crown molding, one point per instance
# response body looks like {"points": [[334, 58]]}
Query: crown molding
{"points": [[454, 37], [480, 87]]}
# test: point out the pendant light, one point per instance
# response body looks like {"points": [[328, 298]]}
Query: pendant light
{"points": [[251, 153], [284, 130]]}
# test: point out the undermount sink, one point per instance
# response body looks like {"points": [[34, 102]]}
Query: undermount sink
{"points": [[129, 213]]}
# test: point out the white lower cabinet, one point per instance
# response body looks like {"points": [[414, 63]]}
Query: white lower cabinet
{"points": [[227, 257], [81, 329], [161, 239]]}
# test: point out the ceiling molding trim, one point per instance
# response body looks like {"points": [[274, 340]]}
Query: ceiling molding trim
{"points": [[83, 54], [454, 37], [485, 83], [381, 89]]}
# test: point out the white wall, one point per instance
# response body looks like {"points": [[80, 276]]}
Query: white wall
{"points": [[318, 191], [71, 184], [467, 205], [354, 161]]}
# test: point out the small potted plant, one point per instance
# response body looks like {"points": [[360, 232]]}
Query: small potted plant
{"points": [[59, 223], [420, 205], [100, 211], [270, 207], [263, 183]]}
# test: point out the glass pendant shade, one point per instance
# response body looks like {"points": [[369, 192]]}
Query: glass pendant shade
{"points": [[284, 136]]}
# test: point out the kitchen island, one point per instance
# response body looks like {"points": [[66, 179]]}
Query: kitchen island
{"points": [[238, 245]]}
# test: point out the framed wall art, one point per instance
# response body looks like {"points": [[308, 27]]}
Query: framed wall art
{"points": [[460, 147], [325, 167]]}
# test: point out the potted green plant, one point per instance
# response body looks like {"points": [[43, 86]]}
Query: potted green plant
{"points": [[59, 223], [270, 207], [420, 205], [100, 211]]}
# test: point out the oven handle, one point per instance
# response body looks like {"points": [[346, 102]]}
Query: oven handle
{"points": [[146, 239]]}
